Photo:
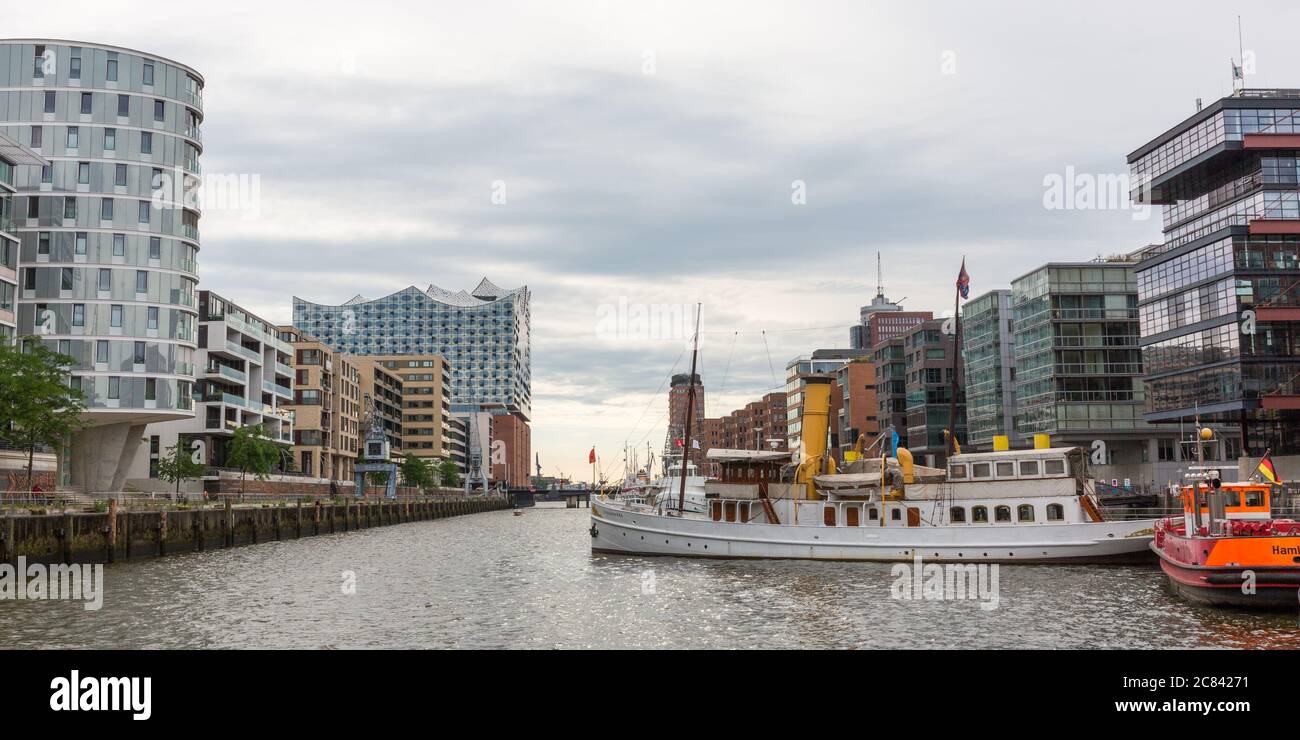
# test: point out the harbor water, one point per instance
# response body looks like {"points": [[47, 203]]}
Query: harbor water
{"points": [[497, 580]]}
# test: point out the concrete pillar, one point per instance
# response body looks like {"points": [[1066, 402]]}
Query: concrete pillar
{"points": [[101, 456]]}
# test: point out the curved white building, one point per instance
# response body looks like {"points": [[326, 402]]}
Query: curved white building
{"points": [[108, 233]]}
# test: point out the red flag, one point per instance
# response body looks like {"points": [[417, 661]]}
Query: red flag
{"points": [[592, 457]]}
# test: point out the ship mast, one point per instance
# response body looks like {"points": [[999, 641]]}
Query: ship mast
{"points": [[690, 412]]}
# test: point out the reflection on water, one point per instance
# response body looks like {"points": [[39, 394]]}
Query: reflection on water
{"points": [[501, 581]]}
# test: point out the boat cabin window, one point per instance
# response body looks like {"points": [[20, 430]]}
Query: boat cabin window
{"points": [[957, 515], [1054, 467], [979, 514], [1028, 467], [1055, 512], [743, 511], [828, 516], [731, 510], [1024, 513], [895, 515], [1006, 470], [1002, 514], [1232, 498], [981, 470], [1254, 498], [957, 472], [873, 513], [715, 510], [851, 516]]}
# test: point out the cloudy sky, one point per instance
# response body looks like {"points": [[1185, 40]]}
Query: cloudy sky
{"points": [[652, 155]]}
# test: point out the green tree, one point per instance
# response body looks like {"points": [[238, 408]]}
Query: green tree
{"points": [[449, 474], [37, 405], [176, 466], [252, 452], [417, 472]]}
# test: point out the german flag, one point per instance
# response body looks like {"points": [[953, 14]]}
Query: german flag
{"points": [[1267, 470]]}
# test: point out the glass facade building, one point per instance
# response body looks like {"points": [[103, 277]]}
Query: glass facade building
{"points": [[988, 357], [484, 335], [1220, 297], [928, 366], [108, 233]]}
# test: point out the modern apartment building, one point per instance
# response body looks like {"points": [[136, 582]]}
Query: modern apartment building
{"points": [[108, 233], [853, 403], [484, 336], [12, 156], [890, 360], [989, 359], [381, 398], [326, 408], [1219, 299], [426, 404], [1079, 366], [928, 366], [244, 379], [759, 425]]}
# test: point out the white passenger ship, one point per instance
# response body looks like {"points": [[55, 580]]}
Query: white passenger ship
{"points": [[1023, 506]]}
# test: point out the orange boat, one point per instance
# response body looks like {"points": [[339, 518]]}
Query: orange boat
{"points": [[1227, 549]]}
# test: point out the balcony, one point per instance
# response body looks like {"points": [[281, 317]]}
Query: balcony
{"points": [[226, 371], [229, 398], [280, 390], [283, 369], [243, 351]]}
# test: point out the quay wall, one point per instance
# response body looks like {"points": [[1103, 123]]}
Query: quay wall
{"points": [[121, 535]]}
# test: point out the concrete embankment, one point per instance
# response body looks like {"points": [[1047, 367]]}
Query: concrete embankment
{"points": [[119, 535]]}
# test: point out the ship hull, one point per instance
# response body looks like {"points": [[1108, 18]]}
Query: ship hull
{"points": [[621, 531], [1270, 587]]}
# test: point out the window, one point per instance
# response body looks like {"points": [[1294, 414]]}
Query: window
{"points": [[1254, 498], [957, 472], [65, 278], [74, 137], [49, 101], [43, 244], [1029, 467], [150, 390], [1002, 513], [146, 142], [873, 513], [957, 515], [1006, 470], [74, 71], [896, 515], [1055, 512], [114, 387], [1025, 513], [101, 352], [83, 173], [78, 314], [70, 208], [111, 74], [80, 247], [979, 514], [981, 470], [110, 139], [138, 358], [105, 279], [119, 245], [1054, 467], [148, 73], [106, 209], [153, 317], [86, 104], [159, 111], [38, 134], [155, 247], [141, 281], [144, 212], [123, 106], [38, 61], [1165, 450], [47, 177], [115, 316]]}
